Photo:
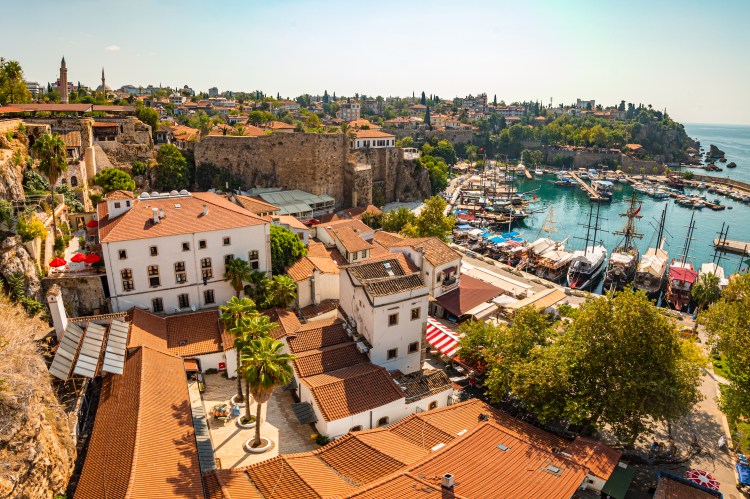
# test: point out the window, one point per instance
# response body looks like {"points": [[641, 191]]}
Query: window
{"points": [[383, 421], [355, 428], [252, 259], [73, 181], [127, 279], [153, 276], [153, 250], [202, 244], [180, 275], [413, 347], [416, 313], [227, 241], [183, 300], [228, 258], [392, 353], [185, 246], [206, 270], [117, 204], [208, 296], [393, 319], [127, 203], [363, 254], [433, 405], [122, 254], [157, 305]]}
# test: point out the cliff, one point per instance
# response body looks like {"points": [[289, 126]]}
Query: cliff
{"points": [[37, 452], [13, 153]]}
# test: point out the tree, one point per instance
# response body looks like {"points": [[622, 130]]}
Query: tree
{"points": [[427, 118], [237, 272], [286, 248], [149, 116], [12, 87], [282, 291], [172, 172], [395, 220], [231, 313], [494, 100], [249, 328], [257, 287], [265, 367], [313, 121], [113, 179], [446, 151], [727, 323], [423, 100], [50, 150], [705, 292], [526, 157], [432, 221]]}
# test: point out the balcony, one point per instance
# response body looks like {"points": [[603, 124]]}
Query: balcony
{"points": [[449, 285]]}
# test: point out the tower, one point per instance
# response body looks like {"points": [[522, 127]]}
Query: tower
{"points": [[104, 85], [63, 82]]}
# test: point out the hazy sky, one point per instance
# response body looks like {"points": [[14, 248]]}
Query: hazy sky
{"points": [[690, 57]]}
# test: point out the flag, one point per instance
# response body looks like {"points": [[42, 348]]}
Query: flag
{"points": [[638, 210]]}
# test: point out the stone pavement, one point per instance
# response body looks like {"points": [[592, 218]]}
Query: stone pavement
{"points": [[278, 423]]}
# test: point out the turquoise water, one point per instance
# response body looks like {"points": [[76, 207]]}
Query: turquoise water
{"points": [[571, 207]]}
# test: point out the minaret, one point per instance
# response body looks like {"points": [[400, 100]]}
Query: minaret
{"points": [[104, 85], [63, 82]]}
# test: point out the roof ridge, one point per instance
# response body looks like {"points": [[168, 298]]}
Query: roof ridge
{"points": [[134, 456]]}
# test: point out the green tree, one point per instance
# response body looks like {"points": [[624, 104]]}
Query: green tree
{"points": [[113, 179], [432, 220], [423, 100], [396, 220], [250, 328], [282, 291], [446, 151], [231, 314], [313, 122], [705, 292], [237, 272], [172, 172], [727, 323], [12, 87], [286, 248], [265, 367], [526, 157], [149, 116], [257, 287], [50, 150]]}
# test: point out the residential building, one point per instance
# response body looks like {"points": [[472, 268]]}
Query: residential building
{"points": [[289, 222], [166, 252], [586, 104], [417, 110], [279, 127], [35, 88], [510, 111], [177, 99], [349, 111], [213, 92], [372, 139], [255, 205], [316, 275], [404, 122], [350, 237]]}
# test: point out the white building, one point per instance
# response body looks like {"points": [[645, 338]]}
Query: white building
{"points": [[372, 139], [586, 104], [350, 111], [166, 252], [350, 237]]}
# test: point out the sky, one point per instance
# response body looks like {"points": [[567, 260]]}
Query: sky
{"points": [[686, 56]]}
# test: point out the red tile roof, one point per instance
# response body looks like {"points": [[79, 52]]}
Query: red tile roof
{"points": [[372, 134], [255, 205], [319, 337], [470, 293], [143, 442], [328, 359], [349, 239], [358, 211], [119, 194], [599, 458]]}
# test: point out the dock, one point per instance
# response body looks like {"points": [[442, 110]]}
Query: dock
{"points": [[736, 247], [527, 173], [586, 187]]}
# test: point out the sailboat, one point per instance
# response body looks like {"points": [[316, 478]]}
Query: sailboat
{"points": [[713, 266], [623, 261], [548, 256], [651, 275], [682, 275], [587, 264]]}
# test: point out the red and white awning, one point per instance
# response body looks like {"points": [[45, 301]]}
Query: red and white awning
{"points": [[441, 337]]}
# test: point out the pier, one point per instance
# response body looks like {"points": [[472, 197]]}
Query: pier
{"points": [[736, 247], [586, 187]]}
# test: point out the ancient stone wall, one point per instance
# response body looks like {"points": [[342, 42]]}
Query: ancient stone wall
{"points": [[83, 295], [590, 159], [452, 136]]}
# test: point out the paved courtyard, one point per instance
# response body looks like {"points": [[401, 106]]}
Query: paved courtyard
{"points": [[278, 423]]}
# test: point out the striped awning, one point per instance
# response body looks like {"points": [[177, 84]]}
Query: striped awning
{"points": [[441, 337]]}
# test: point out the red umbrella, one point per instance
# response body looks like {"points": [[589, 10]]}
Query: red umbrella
{"points": [[92, 223], [92, 258], [703, 478], [78, 257], [57, 262]]}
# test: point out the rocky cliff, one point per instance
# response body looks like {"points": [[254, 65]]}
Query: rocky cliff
{"points": [[13, 153], [37, 452]]}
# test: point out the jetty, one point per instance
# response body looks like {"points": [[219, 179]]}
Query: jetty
{"points": [[527, 173], [729, 246], [586, 187]]}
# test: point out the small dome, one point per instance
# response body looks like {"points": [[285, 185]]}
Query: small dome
{"points": [[155, 194], [174, 193], [184, 192], [144, 195]]}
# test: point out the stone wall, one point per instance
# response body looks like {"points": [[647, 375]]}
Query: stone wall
{"points": [[590, 159], [134, 143], [452, 136], [6, 125], [82, 295]]}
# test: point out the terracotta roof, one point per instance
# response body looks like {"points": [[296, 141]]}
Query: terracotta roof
{"points": [[359, 211], [357, 226], [255, 205], [287, 321], [470, 293], [675, 487], [349, 239], [316, 248], [182, 132], [404, 486], [633, 147], [119, 194], [372, 134], [312, 311], [393, 285], [143, 442], [379, 269], [69, 108], [362, 123], [279, 125], [352, 390], [599, 458], [11, 109], [434, 250], [71, 139], [425, 383], [183, 335], [113, 109], [298, 476], [290, 221], [137, 222], [388, 238], [328, 359], [329, 217], [301, 269], [320, 337], [233, 483], [358, 461]]}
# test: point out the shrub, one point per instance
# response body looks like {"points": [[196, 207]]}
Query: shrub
{"points": [[31, 228], [139, 168], [322, 439]]}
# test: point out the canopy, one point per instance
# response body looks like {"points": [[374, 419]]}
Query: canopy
{"points": [[682, 274], [441, 337], [496, 239], [743, 474], [92, 223], [619, 482], [57, 262], [92, 258], [703, 478], [509, 235], [78, 257], [463, 227]]}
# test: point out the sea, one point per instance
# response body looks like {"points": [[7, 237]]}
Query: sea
{"points": [[571, 208]]}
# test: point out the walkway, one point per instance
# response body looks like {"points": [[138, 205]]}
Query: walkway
{"points": [[202, 435], [586, 187]]}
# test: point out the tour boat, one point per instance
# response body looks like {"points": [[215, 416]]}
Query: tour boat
{"points": [[603, 189], [651, 275], [715, 269], [623, 262], [682, 277], [586, 265]]}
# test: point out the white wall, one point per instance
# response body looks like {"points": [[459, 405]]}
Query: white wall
{"points": [[312, 292], [441, 398], [231, 360], [210, 360]]}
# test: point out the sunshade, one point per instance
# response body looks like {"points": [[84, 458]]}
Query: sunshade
{"points": [[57, 262], [92, 258], [703, 478], [78, 257]]}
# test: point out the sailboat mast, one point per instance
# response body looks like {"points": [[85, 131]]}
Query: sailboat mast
{"points": [[689, 238], [588, 230], [661, 227], [596, 224]]}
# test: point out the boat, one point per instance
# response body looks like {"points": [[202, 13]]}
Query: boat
{"points": [[586, 265], [603, 189], [651, 275], [623, 262], [539, 172], [715, 269], [548, 257], [682, 276]]}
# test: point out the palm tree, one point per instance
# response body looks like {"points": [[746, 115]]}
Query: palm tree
{"points": [[231, 313], [50, 150], [13, 73], [265, 367], [250, 328], [705, 292], [237, 271], [257, 287], [283, 291]]}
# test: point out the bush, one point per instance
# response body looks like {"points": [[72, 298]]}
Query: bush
{"points": [[245, 420], [60, 244], [139, 168], [31, 228], [33, 181], [70, 197], [113, 179], [322, 439]]}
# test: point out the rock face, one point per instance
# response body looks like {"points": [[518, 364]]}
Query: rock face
{"points": [[714, 152], [14, 258], [37, 452]]}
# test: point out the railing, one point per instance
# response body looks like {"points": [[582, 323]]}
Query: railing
{"points": [[449, 285]]}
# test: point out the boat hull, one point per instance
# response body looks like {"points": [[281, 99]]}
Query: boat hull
{"points": [[584, 280]]}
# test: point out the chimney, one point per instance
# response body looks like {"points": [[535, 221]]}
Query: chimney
{"points": [[447, 481], [162, 214], [57, 310], [205, 210], [155, 213]]}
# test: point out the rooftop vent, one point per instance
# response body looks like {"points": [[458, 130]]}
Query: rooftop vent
{"points": [[184, 192], [438, 447], [388, 268], [162, 213], [155, 215], [447, 481], [361, 347], [205, 210], [154, 194], [502, 447], [174, 193], [483, 417], [553, 469], [177, 205]]}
